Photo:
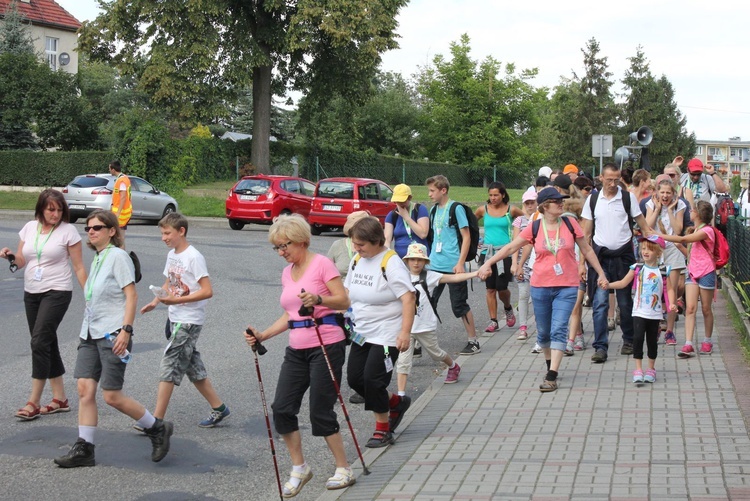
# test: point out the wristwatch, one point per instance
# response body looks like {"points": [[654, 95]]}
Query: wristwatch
{"points": [[320, 300], [128, 328]]}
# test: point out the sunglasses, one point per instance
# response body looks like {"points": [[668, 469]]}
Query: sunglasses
{"points": [[587, 188], [97, 227], [557, 201], [281, 247]]}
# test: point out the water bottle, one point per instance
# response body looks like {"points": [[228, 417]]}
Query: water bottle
{"points": [[158, 291], [126, 356]]}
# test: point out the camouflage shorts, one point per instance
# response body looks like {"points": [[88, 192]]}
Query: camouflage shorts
{"points": [[181, 356]]}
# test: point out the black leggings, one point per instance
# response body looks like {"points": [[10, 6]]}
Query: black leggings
{"points": [[44, 312], [648, 328], [366, 374]]}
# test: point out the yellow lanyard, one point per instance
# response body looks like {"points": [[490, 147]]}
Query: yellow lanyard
{"points": [[550, 247]]}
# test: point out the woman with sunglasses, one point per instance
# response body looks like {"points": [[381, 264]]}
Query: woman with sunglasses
{"points": [[106, 340], [47, 244], [312, 282], [555, 276]]}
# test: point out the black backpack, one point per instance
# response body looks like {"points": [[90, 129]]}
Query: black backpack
{"points": [[473, 228], [625, 203], [394, 215], [537, 222], [423, 282]]}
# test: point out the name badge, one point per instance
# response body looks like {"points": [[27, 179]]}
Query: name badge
{"points": [[38, 274], [439, 247], [358, 338], [388, 364], [501, 267], [558, 269], [88, 312]]}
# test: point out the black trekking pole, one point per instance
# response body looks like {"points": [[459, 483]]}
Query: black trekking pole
{"points": [[303, 311], [260, 349]]}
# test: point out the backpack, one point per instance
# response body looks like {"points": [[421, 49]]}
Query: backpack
{"points": [[414, 215], [625, 203], [383, 262], [423, 283], [473, 227], [725, 209], [537, 222], [721, 250], [136, 265]]}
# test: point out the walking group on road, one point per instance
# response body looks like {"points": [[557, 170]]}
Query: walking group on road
{"points": [[377, 293]]}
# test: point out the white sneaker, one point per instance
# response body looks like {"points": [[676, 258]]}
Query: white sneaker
{"points": [[536, 348]]}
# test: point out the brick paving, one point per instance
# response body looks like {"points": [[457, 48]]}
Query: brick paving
{"points": [[494, 436]]}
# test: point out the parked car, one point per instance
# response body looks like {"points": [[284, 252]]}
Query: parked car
{"points": [[337, 197], [261, 198], [90, 192]]}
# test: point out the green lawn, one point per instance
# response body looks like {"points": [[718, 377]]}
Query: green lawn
{"points": [[18, 200]]}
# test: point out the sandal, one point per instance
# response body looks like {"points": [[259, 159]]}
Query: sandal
{"points": [[548, 386], [28, 415], [289, 490], [344, 477], [54, 407]]}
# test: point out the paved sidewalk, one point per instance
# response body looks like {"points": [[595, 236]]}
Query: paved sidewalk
{"points": [[495, 436]]}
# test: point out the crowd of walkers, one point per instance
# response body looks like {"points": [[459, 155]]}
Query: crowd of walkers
{"points": [[571, 239]]}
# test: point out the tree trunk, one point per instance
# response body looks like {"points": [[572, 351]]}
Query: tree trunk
{"points": [[260, 155]]}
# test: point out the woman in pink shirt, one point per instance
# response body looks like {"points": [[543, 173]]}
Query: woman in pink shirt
{"points": [[47, 245], [312, 281], [555, 276]]}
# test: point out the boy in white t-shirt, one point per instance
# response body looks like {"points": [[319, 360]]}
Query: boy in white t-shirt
{"points": [[185, 291], [426, 321]]}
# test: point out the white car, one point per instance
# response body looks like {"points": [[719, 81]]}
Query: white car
{"points": [[90, 192]]}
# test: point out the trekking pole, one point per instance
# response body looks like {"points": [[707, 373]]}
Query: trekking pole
{"points": [[309, 312], [260, 349]]}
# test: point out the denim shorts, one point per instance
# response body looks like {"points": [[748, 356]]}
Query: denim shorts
{"points": [[707, 281], [181, 356]]}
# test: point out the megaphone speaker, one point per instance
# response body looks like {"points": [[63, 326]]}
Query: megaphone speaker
{"points": [[643, 136]]}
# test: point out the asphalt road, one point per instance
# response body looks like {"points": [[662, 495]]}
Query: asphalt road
{"points": [[232, 461]]}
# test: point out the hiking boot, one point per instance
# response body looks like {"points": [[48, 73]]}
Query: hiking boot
{"points": [[637, 376], [670, 339], [159, 435], [510, 318], [687, 351], [81, 454], [599, 357], [493, 326], [397, 413], [569, 349], [471, 348], [356, 398], [610, 324], [523, 334], [453, 373], [536, 348], [380, 439], [706, 347], [215, 418], [650, 376], [580, 343], [627, 349]]}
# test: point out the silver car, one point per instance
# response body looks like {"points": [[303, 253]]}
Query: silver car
{"points": [[90, 192]]}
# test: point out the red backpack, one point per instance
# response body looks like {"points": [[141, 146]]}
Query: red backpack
{"points": [[721, 249]]}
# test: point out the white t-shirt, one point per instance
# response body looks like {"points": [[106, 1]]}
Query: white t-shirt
{"points": [[649, 291], [664, 217], [56, 273], [184, 270], [425, 320], [611, 229], [375, 301]]}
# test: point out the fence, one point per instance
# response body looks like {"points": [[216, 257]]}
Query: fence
{"points": [[738, 236]]}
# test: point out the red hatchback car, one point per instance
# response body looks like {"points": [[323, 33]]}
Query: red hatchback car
{"points": [[260, 198], [337, 197]]}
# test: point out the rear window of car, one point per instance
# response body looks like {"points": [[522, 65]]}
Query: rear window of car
{"points": [[336, 189], [89, 182], [254, 186]]}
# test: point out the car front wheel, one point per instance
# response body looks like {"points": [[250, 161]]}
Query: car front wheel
{"points": [[168, 210], [236, 225]]}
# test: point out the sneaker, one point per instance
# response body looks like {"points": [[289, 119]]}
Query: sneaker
{"points": [[580, 343], [343, 477], [510, 318], [81, 454], [215, 418], [159, 435], [687, 351], [650, 376], [417, 352], [492, 327], [670, 338], [569, 349], [536, 348], [599, 357], [523, 335], [397, 413], [453, 373], [471, 348], [706, 347], [138, 428], [680, 306], [627, 349], [356, 398], [637, 376], [380, 439], [610, 324]]}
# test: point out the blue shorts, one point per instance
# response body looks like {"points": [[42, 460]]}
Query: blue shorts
{"points": [[707, 281]]}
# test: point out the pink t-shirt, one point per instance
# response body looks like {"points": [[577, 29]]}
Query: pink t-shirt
{"points": [[701, 261], [544, 266], [319, 272], [56, 273]]}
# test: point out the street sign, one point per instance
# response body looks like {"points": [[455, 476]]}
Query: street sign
{"points": [[601, 145]]}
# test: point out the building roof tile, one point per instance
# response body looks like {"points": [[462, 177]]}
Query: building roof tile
{"points": [[44, 13]]}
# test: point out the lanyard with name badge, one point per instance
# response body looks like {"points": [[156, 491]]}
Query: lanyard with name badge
{"points": [[553, 249], [38, 251], [89, 292], [439, 226]]}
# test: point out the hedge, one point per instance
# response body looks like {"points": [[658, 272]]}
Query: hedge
{"points": [[43, 168]]}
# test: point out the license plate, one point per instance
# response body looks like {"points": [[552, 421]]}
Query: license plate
{"points": [[248, 197], [76, 206], [334, 208]]}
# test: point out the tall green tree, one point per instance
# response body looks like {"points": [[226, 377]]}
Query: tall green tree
{"points": [[200, 53], [651, 101], [479, 114], [15, 36]]}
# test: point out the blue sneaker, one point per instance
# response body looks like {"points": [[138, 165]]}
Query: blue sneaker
{"points": [[214, 418]]}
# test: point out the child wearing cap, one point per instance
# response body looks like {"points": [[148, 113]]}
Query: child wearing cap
{"points": [[426, 319], [521, 266], [649, 285]]}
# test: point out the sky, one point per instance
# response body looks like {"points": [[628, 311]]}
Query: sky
{"points": [[699, 46]]}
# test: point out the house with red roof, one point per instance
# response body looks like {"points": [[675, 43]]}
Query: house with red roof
{"points": [[53, 29]]}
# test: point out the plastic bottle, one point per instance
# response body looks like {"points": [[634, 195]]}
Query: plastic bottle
{"points": [[126, 356], [158, 291]]}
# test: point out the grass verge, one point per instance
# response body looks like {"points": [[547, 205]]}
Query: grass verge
{"points": [[739, 326]]}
